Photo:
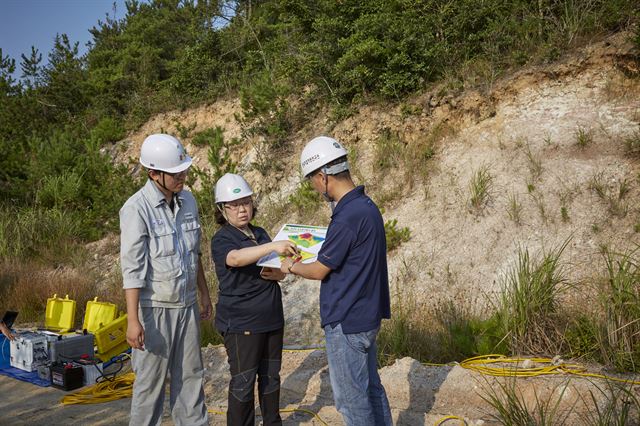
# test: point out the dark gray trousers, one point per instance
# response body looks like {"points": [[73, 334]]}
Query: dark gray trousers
{"points": [[248, 355]]}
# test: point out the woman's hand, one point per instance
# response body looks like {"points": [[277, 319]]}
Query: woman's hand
{"points": [[271, 274], [284, 248]]}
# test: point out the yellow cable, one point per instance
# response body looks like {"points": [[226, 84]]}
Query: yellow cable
{"points": [[305, 350], [447, 418], [480, 364], [303, 410], [107, 390], [284, 410]]}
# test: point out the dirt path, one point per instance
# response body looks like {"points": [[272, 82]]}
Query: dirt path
{"points": [[24, 403]]}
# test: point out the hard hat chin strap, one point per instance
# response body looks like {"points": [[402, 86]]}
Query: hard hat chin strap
{"points": [[220, 207], [325, 194], [163, 184]]}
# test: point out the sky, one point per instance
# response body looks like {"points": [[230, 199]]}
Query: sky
{"points": [[26, 23]]}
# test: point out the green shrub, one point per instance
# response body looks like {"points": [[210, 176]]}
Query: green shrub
{"points": [[395, 236], [61, 192], [220, 162], [388, 151], [266, 110], [108, 130], [185, 131], [305, 200], [464, 335], [583, 337], [209, 335]]}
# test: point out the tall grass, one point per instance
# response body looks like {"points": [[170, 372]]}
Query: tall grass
{"points": [[512, 408], [27, 286], [50, 234], [620, 301], [529, 304], [621, 406]]}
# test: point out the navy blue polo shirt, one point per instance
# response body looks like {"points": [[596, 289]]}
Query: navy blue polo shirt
{"points": [[246, 301], [356, 291]]}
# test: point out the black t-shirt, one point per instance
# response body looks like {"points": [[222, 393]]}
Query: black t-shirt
{"points": [[246, 301]]}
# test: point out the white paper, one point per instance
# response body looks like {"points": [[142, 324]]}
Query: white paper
{"points": [[307, 238]]}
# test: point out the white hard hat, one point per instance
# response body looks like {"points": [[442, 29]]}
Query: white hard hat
{"points": [[232, 187], [165, 153], [321, 151]]}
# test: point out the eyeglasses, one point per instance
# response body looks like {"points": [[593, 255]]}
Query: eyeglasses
{"points": [[235, 205]]}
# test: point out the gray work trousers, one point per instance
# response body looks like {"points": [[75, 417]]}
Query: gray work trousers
{"points": [[171, 346]]}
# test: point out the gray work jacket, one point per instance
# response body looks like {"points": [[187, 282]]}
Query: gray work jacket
{"points": [[159, 249]]}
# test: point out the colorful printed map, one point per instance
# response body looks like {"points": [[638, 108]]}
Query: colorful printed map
{"points": [[308, 239]]}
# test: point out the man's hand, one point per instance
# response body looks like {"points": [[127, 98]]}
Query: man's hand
{"points": [[135, 334], [5, 330], [287, 263], [206, 309]]}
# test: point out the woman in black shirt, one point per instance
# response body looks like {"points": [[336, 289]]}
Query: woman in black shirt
{"points": [[249, 310]]}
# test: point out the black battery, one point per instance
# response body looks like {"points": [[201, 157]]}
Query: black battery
{"points": [[66, 376]]}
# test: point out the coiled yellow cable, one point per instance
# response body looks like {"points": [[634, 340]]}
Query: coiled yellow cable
{"points": [[479, 364], [107, 390]]}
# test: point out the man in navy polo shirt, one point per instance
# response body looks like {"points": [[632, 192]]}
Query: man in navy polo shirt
{"points": [[354, 295]]}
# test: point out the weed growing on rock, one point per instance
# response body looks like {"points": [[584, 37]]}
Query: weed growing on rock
{"points": [[583, 137], [632, 144], [480, 186], [612, 196], [514, 208]]}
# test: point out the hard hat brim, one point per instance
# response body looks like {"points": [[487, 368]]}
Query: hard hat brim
{"points": [[186, 163]]}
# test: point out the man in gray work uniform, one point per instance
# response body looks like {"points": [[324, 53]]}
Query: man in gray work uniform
{"points": [[162, 272]]}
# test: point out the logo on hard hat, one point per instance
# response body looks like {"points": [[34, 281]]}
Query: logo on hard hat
{"points": [[311, 159], [337, 145], [235, 191]]}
